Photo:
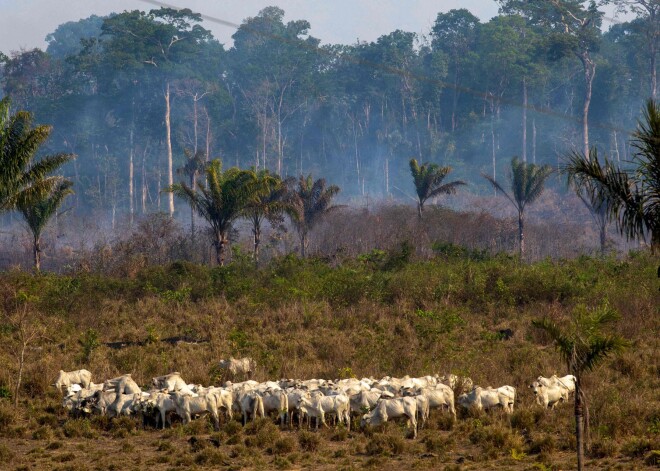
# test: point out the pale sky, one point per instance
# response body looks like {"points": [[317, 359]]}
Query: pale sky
{"points": [[25, 23]]}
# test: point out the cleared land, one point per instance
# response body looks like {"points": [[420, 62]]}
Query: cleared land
{"points": [[377, 315]]}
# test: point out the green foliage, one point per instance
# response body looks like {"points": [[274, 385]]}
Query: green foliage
{"points": [[88, 341], [309, 441], [447, 250], [428, 180], [22, 179], [633, 199]]}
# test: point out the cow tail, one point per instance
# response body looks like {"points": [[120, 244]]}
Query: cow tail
{"points": [[258, 406]]}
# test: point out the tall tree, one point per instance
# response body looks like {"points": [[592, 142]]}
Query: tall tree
{"points": [[38, 211], [527, 184], [428, 180], [455, 33], [647, 26], [574, 30], [310, 200], [582, 345], [633, 199], [220, 202], [163, 39], [193, 167], [268, 203], [22, 177]]}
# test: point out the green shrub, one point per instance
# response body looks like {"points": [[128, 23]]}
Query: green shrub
{"points": [[542, 443], [309, 441], [387, 445], [283, 446], [636, 447], [232, 428], [436, 444], [198, 444], [122, 427], [652, 458], [7, 415], [211, 457], [77, 428], [56, 445], [5, 453], [604, 448], [42, 433]]}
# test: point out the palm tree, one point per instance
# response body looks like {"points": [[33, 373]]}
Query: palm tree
{"points": [[194, 166], [527, 184], [428, 182], [309, 201], [582, 345], [221, 203], [37, 211], [21, 178], [268, 202], [632, 199]]}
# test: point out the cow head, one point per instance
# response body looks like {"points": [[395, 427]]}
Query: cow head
{"points": [[536, 387], [59, 382]]}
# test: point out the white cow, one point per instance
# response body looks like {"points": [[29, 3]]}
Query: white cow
{"points": [[172, 382], [567, 381], [160, 402], [66, 379], [336, 404], [123, 384], [250, 404], [488, 398], [441, 396], [364, 401], [187, 406], [275, 400], [99, 401], [238, 366], [387, 409], [455, 382], [549, 395]]}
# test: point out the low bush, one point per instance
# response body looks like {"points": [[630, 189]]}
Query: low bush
{"points": [[385, 445], [636, 447], [309, 441], [211, 457], [283, 446]]}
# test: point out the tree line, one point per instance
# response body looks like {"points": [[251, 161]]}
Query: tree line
{"points": [[134, 93]]}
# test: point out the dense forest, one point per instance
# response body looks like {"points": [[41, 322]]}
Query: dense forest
{"points": [[135, 94]]}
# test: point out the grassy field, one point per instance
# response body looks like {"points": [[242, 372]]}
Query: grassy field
{"points": [[379, 314]]}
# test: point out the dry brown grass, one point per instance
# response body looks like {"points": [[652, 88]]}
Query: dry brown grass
{"points": [[307, 319]]}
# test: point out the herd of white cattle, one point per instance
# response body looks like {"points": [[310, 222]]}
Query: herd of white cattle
{"points": [[375, 401]]}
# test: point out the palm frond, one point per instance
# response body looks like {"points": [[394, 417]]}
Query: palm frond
{"points": [[499, 188]]}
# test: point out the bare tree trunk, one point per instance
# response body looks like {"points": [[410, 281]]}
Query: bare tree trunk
{"points": [[534, 140], [589, 74], [220, 242], [208, 136], [387, 177], [193, 184], [168, 132], [21, 364], [131, 203], [579, 426], [36, 245], [256, 231], [524, 122], [521, 234], [144, 183], [492, 136], [655, 242], [303, 243]]}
